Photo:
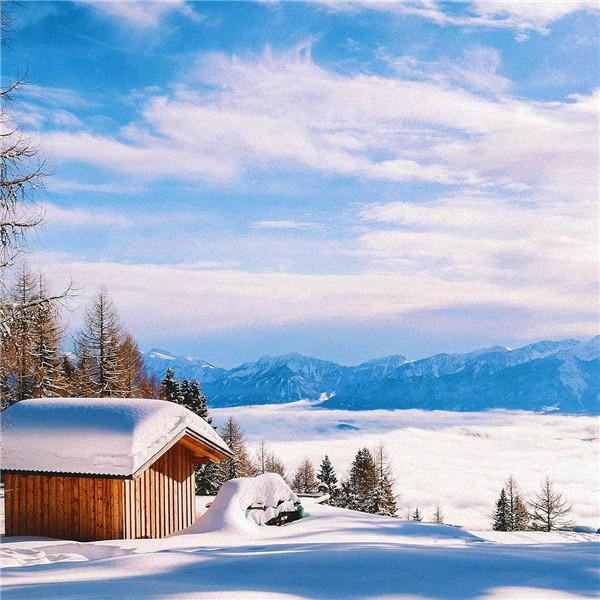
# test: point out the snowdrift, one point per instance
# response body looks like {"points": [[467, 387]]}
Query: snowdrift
{"points": [[229, 511]]}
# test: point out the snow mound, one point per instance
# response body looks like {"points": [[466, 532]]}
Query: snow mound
{"points": [[25, 558], [72, 552], [100, 436], [229, 509]]}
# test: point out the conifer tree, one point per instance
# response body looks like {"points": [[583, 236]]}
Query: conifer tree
{"points": [[240, 465], [416, 516], [384, 501], [98, 344], [184, 390], [327, 477], [384, 498], [501, 519], [170, 388], [363, 480], [208, 474], [550, 509], [304, 481], [438, 516], [518, 515], [347, 497], [195, 400], [132, 365]]}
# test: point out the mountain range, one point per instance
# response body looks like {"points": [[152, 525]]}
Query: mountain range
{"points": [[544, 376]]}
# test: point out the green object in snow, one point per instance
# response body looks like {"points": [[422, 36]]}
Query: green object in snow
{"points": [[299, 509]]}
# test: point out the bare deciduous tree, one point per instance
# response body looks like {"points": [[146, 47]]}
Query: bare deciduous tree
{"points": [[549, 509]]}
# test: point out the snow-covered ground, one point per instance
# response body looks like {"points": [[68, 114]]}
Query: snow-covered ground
{"points": [[459, 460], [330, 554]]}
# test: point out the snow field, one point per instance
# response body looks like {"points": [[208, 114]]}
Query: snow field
{"points": [[330, 554]]}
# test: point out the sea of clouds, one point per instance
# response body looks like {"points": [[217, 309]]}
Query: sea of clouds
{"points": [[459, 460]]}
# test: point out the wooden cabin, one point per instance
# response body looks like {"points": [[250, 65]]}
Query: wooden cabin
{"points": [[102, 468]]}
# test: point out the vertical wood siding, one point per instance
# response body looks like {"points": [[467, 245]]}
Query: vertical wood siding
{"points": [[75, 508], [158, 502]]}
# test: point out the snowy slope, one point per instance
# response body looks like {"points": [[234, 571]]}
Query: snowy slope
{"points": [[330, 554]]}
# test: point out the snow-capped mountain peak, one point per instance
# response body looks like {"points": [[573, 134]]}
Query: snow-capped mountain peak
{"points": [[563, 373]]}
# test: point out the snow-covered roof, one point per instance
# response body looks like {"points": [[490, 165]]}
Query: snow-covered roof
{"points": [[97, 436]]}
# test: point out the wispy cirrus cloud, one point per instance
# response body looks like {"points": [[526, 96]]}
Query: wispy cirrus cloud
{"points": [[231, 115], [519, 15], [287, 225]]}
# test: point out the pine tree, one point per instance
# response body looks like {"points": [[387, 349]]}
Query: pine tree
{"points": [[363, 480], [327, 477], [194, 399], [416, 516], [384, 498], [384, 501], [518, 515], [132, 365], [304, 481], [438, 516], [501, 519], [98, 344], [549, 509], [208, 474], [170, 388], [184, 390], [347, 497], [240, 465]]}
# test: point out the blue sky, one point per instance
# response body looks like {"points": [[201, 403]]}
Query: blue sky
{"points": [[345, 180]]}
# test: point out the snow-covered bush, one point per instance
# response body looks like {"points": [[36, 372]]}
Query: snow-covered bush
{"points": [[246, 501]]}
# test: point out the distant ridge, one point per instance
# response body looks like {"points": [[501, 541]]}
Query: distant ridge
{"points": [[547, 376]]}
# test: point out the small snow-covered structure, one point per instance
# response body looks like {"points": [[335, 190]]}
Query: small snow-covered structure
{"points": [[245, 502], [102, 468]]}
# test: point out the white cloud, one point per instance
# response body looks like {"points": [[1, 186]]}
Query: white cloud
{"points": [[477, 70], [523, 16], [286, 225], [56, 216], [167, 297], [55, 184], [142, 15], [488, 240], [260, 114]]}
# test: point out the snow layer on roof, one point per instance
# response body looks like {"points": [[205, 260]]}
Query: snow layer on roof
{"points": [[100, 436], [228, 511]]}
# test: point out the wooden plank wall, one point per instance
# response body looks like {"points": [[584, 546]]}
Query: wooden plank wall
{"points": [[74, 508], [160, 501]]}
